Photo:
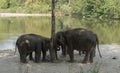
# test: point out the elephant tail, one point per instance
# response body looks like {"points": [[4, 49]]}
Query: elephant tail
{"points": [[15, 49], [97, 42]]}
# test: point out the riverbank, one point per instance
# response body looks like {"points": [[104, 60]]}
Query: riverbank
{"points": [[21, 14], [109, 63]]}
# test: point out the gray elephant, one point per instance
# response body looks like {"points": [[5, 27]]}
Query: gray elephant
{"points": [[79, 39], [29, 43]]}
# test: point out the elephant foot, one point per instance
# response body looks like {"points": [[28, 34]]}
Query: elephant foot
{"points": [[85, 62], [31, 59], [91, 61], [54, 61], [37, 61], [44, 60], [24, 61], [63, 56], [71, 61]]}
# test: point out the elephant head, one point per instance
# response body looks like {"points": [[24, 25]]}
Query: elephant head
{"points": [[60, 42]]}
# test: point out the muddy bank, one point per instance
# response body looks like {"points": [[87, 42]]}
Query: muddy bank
{"points": [[109, 63]]}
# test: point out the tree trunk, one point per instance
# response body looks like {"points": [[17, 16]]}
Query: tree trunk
{"points": [[52, 50]]}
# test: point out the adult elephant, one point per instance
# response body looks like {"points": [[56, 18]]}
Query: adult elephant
{"points": [[29, 43], [78, 39]]}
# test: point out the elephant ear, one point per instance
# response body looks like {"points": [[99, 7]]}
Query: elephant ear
{"points": [[62, 38]]}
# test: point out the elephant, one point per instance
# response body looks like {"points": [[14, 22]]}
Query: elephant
{"points": [[79, 39], [29, 43]]}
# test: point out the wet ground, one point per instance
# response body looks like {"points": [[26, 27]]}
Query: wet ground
{"points": [[109, 63]]}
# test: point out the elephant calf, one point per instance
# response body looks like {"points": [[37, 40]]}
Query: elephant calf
{"points": [[79, 39], [29, 43]]}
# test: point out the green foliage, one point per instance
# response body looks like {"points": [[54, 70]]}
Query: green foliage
{"points": [[105, 8], [4, 4], [95, 8], [77, 6], [25, 6]]}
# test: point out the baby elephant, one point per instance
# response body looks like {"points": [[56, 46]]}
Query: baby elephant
{"points": [[29, 43]]}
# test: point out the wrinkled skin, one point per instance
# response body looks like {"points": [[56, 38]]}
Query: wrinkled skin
{"points": [[29, 43], [79, 39]]}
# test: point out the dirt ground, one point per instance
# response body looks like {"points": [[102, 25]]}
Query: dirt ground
{"points": [[109, 63]]}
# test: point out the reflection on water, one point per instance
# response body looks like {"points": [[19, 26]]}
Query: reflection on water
{"points": [[8, 43], [12, 27], [7, 40]]}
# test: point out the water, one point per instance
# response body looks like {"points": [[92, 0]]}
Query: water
{"points": [[8, 43], [12, 27]]}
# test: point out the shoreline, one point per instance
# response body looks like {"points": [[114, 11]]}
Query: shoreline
{"points": [[21, 14]]}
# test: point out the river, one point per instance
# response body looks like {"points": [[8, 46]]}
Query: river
{"points": [[12, 27]]}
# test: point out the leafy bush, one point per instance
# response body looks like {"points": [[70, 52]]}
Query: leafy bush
{"points": [[105, 8], [4, 4], [96, 8]]}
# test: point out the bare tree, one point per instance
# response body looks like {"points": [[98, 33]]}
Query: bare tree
{"points": [[52, 51]]}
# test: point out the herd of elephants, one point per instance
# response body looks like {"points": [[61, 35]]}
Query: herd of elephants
{"points": [[80, 39]]}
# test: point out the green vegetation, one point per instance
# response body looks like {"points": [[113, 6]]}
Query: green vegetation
{"points": [[104, 8], [84, 8], [25, 6]]}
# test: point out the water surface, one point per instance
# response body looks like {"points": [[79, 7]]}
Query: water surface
{"points": [[12, 27]]}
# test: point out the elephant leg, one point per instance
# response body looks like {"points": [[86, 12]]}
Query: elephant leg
{"points": [[44, 56], [37, 56], [23, 58], [86, 59], [64, 51], [71, 56], [30, 56], [92, 54], [56, 55], [83, 52], [79, 52]]}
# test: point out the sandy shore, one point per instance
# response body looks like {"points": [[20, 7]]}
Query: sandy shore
{"points": [[110, 63], [21, 14]]}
